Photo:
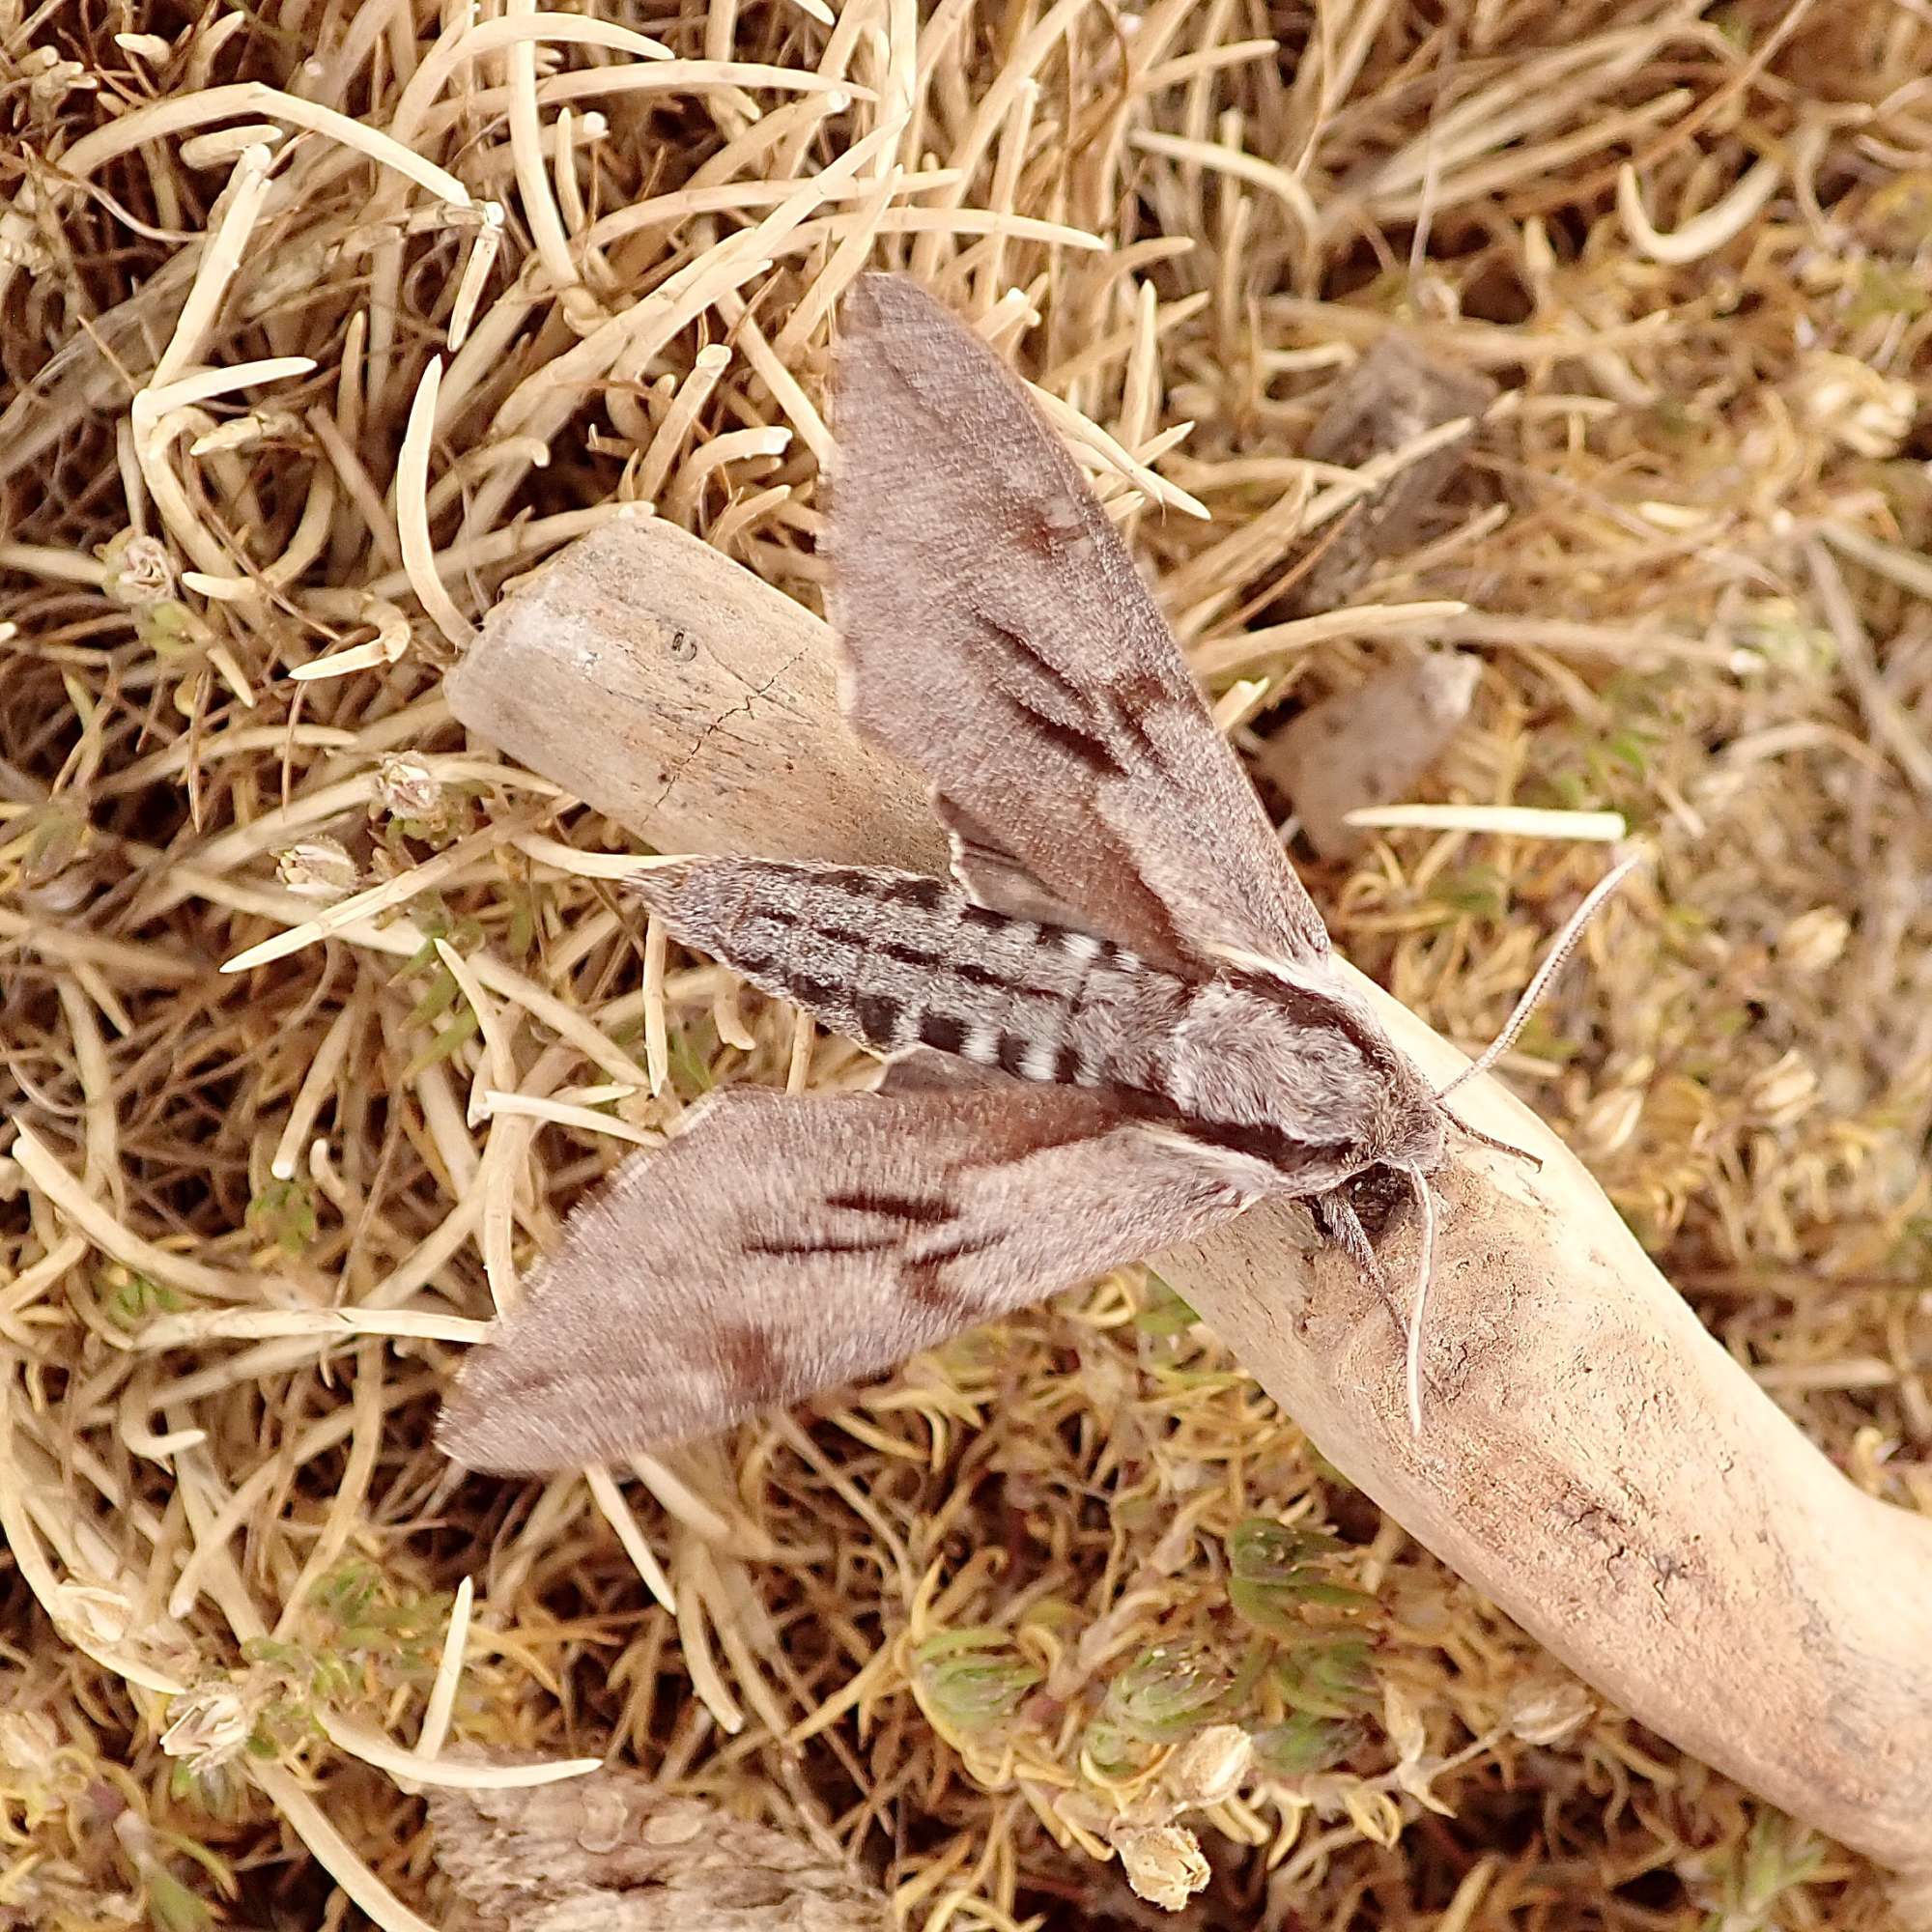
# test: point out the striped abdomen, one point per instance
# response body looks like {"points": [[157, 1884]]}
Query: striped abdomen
{"points": [[898, 959]]}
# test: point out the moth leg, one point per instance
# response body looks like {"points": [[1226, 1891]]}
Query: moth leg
{"points": [[1335, 1215], [1482, 1139], [1425, 1270], [1340, 1224]]}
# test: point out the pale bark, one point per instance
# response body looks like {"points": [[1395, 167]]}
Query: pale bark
{"points": [[612, 1853], [1592, 1460]]}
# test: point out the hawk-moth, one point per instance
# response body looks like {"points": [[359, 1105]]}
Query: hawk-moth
{"points": [[1117, 1026]]}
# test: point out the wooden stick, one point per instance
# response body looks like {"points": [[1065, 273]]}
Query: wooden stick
{"points": [[669, 688], [1593, 1460]]}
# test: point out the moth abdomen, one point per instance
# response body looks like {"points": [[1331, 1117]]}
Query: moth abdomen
{"points": [[900, 960]]}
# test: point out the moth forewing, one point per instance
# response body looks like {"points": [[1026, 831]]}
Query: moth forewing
{"points": [[785, 1246], [999, 636]]}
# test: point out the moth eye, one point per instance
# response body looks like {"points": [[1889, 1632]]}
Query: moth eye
{"points": [[683, 647]]}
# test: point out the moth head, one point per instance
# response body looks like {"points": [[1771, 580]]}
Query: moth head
{"points": [[1409, 1128]]}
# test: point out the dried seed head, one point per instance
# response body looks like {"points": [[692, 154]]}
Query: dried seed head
{"points": [[1403, 1721], [1163, 1863], [1209, 1768], [1783, 1093], [245, 432], [96, 1612], [406, 788], [140, 570], [1546, 1710], [208, 1725], [28, 1739], [318, 869], [1814, 940], [51, 79], [1850, 402]]}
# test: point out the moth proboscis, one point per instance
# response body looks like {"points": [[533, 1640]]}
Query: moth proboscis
{"points": [[1118, 1025]]}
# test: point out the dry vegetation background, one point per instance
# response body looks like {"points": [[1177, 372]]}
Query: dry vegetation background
{"points": [[320, 320]]}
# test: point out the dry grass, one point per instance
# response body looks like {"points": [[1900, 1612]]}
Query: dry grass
{"points": [[320, 321]]}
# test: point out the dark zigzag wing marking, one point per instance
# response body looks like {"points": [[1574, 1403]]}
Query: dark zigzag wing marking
{"points": [[919, 1210], [1056, 707], [746, 1263], [1021, 663]]}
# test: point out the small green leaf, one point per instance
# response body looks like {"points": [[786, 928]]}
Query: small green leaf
{"points": [[457, 1033], [134, 1299], [1166, 1312], [1630, 749], [1301, 1746], [1329, 1676], [167, 628], [1885, 292], [1276, 1574], [1539, 1039], [441, 993], [1114, 1749], [1777, 1855], [1168, 1693], [1474, 889], [521, 937], [690, 1051], [172, 1907], [972, 1679], [284, 1212], [55, 833], [1671, 418]]}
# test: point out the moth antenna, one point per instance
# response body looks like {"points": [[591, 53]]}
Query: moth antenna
{"points": [[1553, 964], [1424, 1269], [1482, 1139]]}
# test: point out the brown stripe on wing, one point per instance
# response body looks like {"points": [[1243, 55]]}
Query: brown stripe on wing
{"points": [[741, 1264], [749, 1358], [925, 1281], [919, 1210], [1318, 1011]]}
